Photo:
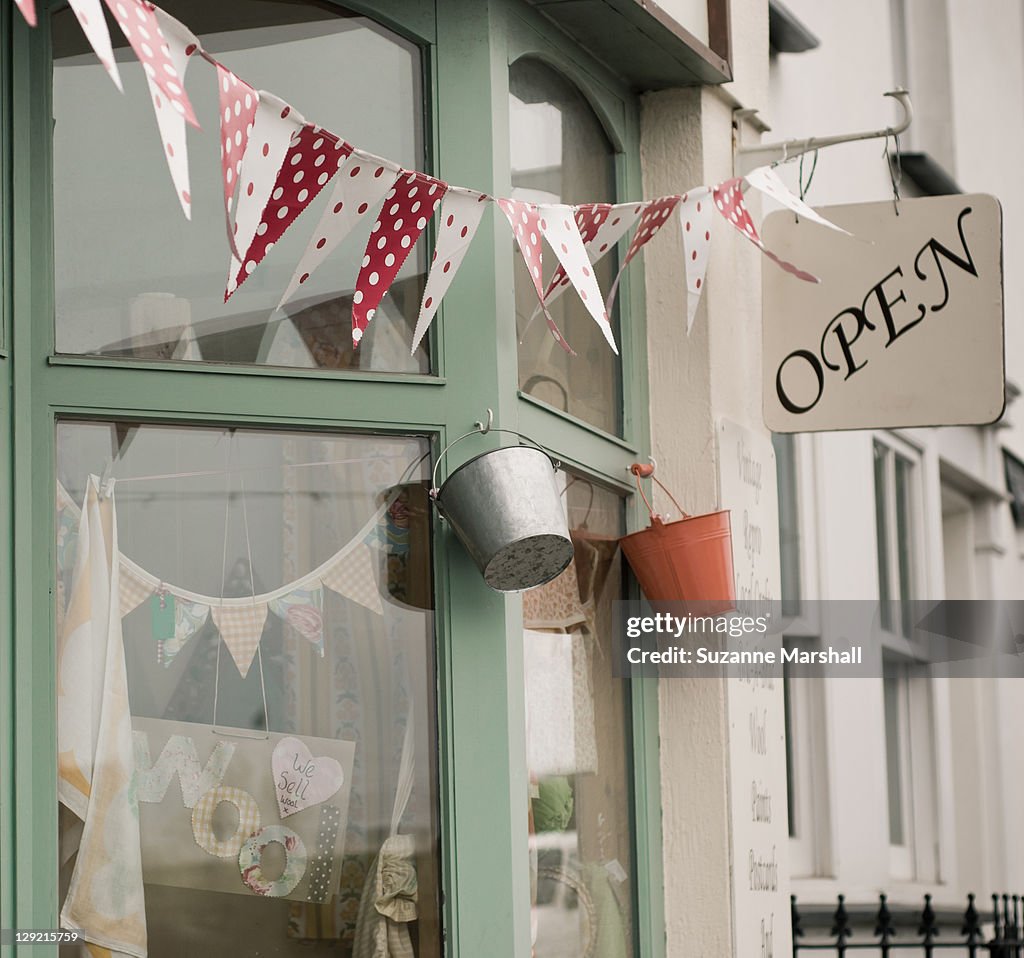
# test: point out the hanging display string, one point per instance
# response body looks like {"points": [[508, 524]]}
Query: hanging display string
{"points": [[895, 163], [805, 187], [286, 465]]}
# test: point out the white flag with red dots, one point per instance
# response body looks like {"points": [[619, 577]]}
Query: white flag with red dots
{"points": [[695, 221], [525, 222], [765, 179], [359, 187], [460, 217], [273, 130], [558, 226], [137, 20], [181, 43], [238, 103], [313, 158], [728, 197], [94, 25], [28, 10], [407, 209]]}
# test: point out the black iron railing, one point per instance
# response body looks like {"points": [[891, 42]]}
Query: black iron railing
{"points": [[995, 934]]}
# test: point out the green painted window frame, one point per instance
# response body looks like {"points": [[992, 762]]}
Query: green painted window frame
{"points": [[480, 692]]}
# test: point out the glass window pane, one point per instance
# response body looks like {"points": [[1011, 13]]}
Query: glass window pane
{"points": [[561, 154], [789, 521], [904, 540], [579, 745], [882, 536], [273, 609], [892, 677], [135, 279]]}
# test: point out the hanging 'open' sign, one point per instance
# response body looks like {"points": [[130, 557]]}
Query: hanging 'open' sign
{"points": [[906, 326]]}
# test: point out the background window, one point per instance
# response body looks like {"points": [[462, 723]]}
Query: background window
{"points": [[154, 287], [896, 530], [561, 154]]}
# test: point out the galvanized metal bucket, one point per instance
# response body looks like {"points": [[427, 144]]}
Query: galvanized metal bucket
{"points": [[506, 509]]}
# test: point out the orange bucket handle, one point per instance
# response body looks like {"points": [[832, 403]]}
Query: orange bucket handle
{"points": [[646, 471]]}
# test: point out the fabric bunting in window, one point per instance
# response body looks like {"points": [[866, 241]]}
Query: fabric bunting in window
{"points": [[361, 184], [352, 576], [460, 217], [275, 127], [94, 26], [303, 610], [238, 103], [169, 121], [28, 10], [695, 220], [134, 587], [138, 22], [240, 623], [189, 618], [407, 209]]}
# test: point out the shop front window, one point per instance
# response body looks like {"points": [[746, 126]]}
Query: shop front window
{"points": [[135, 279], [245, 633]]}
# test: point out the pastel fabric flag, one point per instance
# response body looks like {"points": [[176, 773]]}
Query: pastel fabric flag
{"points": [[134, 587], [137, 20], [695, 220], [460, 217], [360, 186], [94, 26], [558, 224], [189, 618], [275, 126], [653, 216], [352, 576], [181, 42], [525, 222], [313, 158], [765, 179], [241, 627], [28, 10], [238, 104], [303, 610], [407, 209], [728, 198], [96, 759]]}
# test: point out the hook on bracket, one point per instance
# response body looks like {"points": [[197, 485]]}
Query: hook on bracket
{"points": [[485, 427]]}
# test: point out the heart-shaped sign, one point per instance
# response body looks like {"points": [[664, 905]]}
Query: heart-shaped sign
{"points": [[302, 780]]}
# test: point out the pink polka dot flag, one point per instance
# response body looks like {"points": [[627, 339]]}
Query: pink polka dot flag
{"points": [[94, 26], [765, 179], [359, 187], [524, 219], [313, 158], [728, 198], [137, 20], [238, 103], [653, 216], [558, 226], [180, 43], [275, 126], [28, 10], [460, 217], [407, 209], [695, 219]]}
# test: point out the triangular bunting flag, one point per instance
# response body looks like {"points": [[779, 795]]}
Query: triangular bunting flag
{"points": [[460, 217], [303, 610], [407, 209], [313, 157], [138, 22], [558, 224], [765, 179], [654, 215], [729, 202], [525, 222], [28, 10], [169, 121], [360, 185], [133, 587], [238, 103], [189, 618], [695, 220], [241, 627], [275, 125], [352, 576], [94, 26]]}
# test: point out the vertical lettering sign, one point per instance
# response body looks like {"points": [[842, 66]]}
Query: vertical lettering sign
{"points": [[906, 326], [757, 745]]}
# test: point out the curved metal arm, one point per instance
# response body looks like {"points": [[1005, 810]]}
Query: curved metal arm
{"points": [[760, 153]]}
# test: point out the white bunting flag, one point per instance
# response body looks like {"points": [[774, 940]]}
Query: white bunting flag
{"points": [[241, 627], [180, 44], [460, 217], [360, 185], [275, 125], [238, 103], [695, 222], [94, 26], [558, 225], [765, 179]]}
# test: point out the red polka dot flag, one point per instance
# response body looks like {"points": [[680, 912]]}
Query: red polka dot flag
{"points": [[238, 104], [312, 160], [138, 22], [359, 187], [695, 219], [28, 10], [94, 26], [653, 216], [407, 209], [460, 217]]}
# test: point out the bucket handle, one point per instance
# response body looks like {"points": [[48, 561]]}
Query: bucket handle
{"points": [[480, 430], [640, 470]]}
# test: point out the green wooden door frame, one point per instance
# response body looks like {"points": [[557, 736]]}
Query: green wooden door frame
{"points": [[481, 705]]}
